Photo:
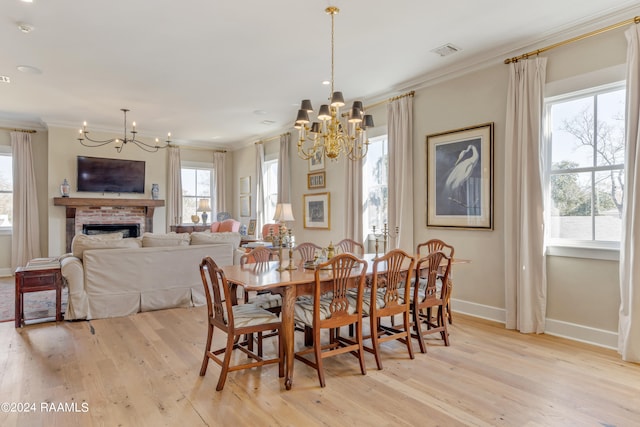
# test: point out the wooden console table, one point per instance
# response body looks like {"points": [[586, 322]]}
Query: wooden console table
{"points": [[30, 280], [190, 228]]}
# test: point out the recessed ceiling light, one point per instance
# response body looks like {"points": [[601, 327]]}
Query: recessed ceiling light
{"points": [[326, 82], [215, 137], [5, 79], [268, 122], [446, 49], [27, 1], [25, 28], [29, 69]]}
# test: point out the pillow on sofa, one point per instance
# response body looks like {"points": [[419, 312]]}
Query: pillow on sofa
{"points": [[83, 243], [205, 238], [161, 240], [215, 227], [229, 225]]}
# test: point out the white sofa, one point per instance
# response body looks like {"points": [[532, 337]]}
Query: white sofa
{"points": [[111, 277]]}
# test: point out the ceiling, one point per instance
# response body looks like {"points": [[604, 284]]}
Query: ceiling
{"points": [[226, 73]]}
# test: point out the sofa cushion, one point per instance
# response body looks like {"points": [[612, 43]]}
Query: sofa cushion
{"points": [[205, 238], [229, 225], [215, 227], [82, 243], [162, 240]]}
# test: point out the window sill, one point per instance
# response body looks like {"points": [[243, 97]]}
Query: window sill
{"points": [[571, 251], [6, 231]]}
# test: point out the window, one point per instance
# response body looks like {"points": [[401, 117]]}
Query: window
{"points": [[586, 143], [375, 178], [270, 182], [6, 189], [197, 183]]}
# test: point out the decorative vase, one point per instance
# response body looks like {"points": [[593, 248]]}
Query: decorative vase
{"points": [[64, 188], [155, 191], [195, 219]]}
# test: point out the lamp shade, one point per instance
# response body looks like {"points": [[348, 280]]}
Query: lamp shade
{"points": [[203, 205], [283, 212]]}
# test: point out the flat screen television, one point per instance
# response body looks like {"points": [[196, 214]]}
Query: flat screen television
{"points": [[101, 175]]}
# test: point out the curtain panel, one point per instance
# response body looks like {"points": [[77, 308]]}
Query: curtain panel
{"points": [[525, 271], [219, 163], [400, 124], [174, 192], [284, 169], [629, 316], [25, 241], [260, 214]]}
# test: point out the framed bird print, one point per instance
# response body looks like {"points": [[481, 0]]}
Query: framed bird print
{"points": [[460, 178]]}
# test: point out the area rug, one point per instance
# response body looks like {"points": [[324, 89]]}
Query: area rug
{"points": [[36, 304]]}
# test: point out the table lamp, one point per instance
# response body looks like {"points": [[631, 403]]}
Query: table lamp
{"points": [[203, 206], [284, 213]]}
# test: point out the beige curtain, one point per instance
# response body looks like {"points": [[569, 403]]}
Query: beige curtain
{"points": [[221, 182], [353, 200], [260, 219], [525, 273], [174, 190], [284, 169], [400, 124], [25, 239], [629, 320]]}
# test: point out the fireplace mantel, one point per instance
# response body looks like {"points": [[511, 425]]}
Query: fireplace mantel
{"points": [[74, 203]]}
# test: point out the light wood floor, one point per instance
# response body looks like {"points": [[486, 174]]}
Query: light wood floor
{"points": [[142, 370]]}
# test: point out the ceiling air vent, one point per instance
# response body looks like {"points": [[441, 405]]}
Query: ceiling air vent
{"points": [[5, 79], [446, 49]]}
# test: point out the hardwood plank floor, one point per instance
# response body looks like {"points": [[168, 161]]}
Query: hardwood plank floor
{"points": [[142, 370]]}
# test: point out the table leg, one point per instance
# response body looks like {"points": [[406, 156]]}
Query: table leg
{"points": [[18, 300], [59, 300], [288, 329]]}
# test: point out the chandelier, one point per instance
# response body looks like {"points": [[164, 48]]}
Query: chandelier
{"points": [[329, 136], [121, 142]]}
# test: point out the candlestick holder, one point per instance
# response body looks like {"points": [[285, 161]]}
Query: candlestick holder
{"points": [[279, 241], [385, 234], [291, 266]]}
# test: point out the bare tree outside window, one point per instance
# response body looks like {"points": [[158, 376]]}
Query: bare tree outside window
{"points": [[587, 165]]}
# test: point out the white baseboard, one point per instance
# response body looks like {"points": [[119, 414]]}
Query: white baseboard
{"points": [[585, 334], [571, 331], [6, 272], [478, 310]]}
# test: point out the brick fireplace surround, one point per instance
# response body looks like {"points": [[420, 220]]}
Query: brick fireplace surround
{"points": [[80, 211]]}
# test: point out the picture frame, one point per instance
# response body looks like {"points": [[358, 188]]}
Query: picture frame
{"points": [[316, 180], [460, 178], [316, 162], [317, 210], [245, 206], [251, 230], [245, 185]]}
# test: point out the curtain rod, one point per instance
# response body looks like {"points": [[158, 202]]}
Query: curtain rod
{"points": [[634, 20], [376, 104], [19, 130], [273, 138]]}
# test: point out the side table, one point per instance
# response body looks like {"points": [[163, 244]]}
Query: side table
{"points": [[36, 280]]}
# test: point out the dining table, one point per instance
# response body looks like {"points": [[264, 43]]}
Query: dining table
{"points": [[290, 283]]}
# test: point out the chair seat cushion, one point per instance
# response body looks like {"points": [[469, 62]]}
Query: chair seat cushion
{"points": [[251, 315], [267, 300], [303, 309], [366, 301], [422, 285]]}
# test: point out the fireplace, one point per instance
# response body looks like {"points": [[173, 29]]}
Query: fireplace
{"points": [[127, 230]]}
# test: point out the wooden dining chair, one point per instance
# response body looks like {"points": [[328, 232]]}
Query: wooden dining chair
{"points": [[388, 296], [332, 309], [349, 246], [435, 245], [307, 251], [235, 320], [259, 257], [424, 299]]}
